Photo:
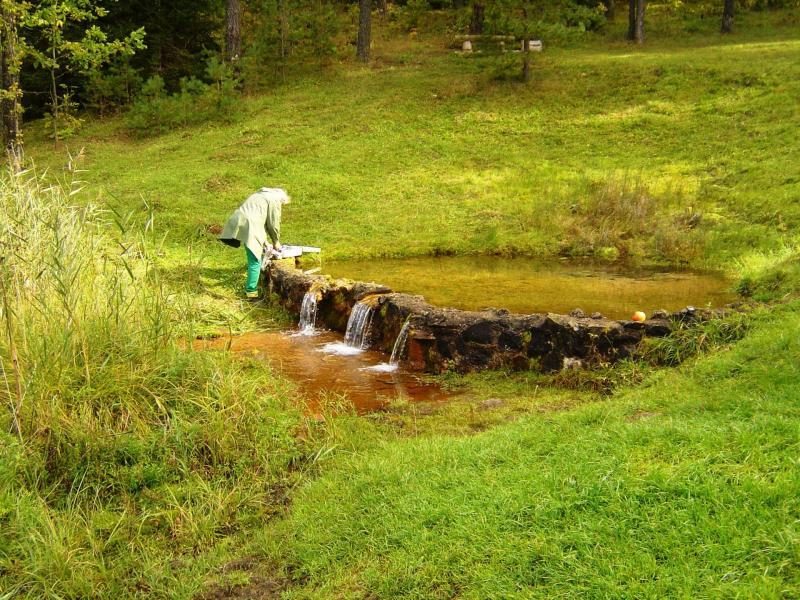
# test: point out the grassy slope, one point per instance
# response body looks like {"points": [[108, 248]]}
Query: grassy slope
{"points": [[424, 152], [687, 486]]}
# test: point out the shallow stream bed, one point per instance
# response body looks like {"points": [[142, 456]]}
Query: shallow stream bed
{"points": [[321, 365]]}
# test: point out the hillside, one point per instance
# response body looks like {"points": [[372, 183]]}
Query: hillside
{"points": [[610, 150]]}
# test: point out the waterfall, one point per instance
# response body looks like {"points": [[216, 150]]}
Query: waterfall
{"points": [[308, 314], [400, 344], [397, 352], [356, 338], [358, 326]]}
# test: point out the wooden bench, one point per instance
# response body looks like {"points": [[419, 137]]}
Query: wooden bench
{"points": [[467, 42]]}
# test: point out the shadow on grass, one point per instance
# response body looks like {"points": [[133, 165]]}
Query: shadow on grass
{"points": [[218, 282]]}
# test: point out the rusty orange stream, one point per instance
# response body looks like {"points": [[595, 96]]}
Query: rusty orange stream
{"points": [[318, 373]]}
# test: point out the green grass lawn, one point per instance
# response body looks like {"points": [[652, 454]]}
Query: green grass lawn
{"points": [[669, 483], [685, 487]]}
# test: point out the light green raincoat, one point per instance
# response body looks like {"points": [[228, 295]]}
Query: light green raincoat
{"points": [[258, 217]]}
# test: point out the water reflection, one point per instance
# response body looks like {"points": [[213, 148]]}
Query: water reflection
{"points": [[313, 363], [524, 285]]}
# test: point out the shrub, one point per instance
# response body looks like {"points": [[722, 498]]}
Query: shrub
{"points": [[690, 339], [307, 34], [67, 123], [410, 16], [584, 18], [156, 112], [622, 217], [112, 89]]}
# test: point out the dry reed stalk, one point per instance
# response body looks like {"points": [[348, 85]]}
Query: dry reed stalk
{"points": [[15, 405]]}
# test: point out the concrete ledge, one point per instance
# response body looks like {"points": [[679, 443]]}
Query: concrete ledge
{"points": [[441, 339]]}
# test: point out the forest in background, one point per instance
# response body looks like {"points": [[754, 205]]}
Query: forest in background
{"points": [[62, 58]]}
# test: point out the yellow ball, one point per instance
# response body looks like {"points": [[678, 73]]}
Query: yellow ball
{"points": [[638, 316]]}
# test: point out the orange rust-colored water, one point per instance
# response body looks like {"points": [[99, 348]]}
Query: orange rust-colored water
{"points": [[526, 285], [319, 374]]}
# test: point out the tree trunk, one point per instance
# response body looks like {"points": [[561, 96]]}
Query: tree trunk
{"points": [[727, 16], [640, 8], [233, 31], [526, 58], [10, 107], [632, 19], [476, 23], [364, 29], [283, 31], [611, 10]]}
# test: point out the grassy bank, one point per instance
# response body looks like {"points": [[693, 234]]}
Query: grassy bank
{"points": [[686, 487], [132, 463]]}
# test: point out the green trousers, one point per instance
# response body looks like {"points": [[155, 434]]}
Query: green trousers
{"points": [[253, 272]]}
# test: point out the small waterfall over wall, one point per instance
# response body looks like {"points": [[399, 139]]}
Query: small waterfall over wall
{"points": [[358, 326], [397, 352], [400, 344], [443, 339], [308, 314]]}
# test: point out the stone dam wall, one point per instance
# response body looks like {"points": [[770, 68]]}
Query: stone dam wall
{"points": [[441, 339]]}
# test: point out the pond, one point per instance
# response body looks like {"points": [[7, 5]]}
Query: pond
{"points": [[525, 285]]}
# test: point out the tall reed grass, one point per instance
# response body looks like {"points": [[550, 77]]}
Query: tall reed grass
{"points": [[74, 299], [122, 452], [624, 218]]}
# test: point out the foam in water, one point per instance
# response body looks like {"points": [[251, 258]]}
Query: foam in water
{"points": [[308, 314], [340, 348], [381, 368]]}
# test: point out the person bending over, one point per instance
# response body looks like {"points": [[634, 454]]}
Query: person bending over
{"points": [[256, 219]]}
